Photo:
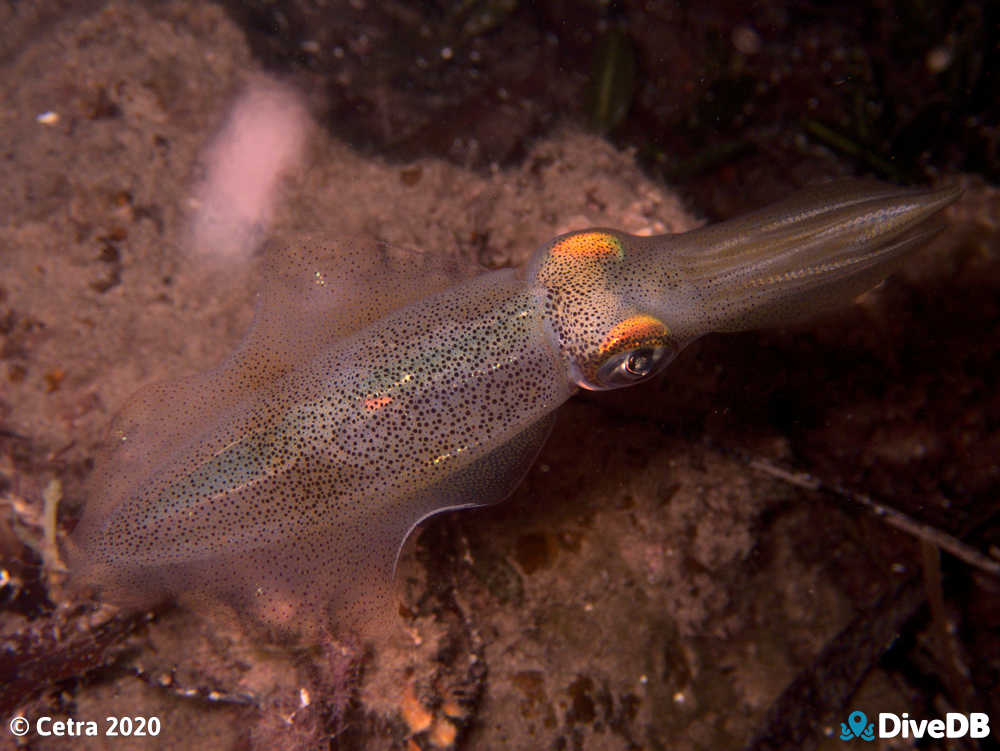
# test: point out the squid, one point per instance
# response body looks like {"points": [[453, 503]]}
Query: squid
{"points": [[369, 395]]}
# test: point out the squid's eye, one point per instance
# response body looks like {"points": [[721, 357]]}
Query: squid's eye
{"points": [[627, 368]]}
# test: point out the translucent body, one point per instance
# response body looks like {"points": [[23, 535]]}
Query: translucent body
{"points": [[284, 482]]}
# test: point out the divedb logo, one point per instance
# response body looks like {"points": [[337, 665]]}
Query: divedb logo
{"points": [[954, 725]]}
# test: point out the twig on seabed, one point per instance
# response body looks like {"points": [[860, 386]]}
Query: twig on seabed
{"points": [[895, 518]]}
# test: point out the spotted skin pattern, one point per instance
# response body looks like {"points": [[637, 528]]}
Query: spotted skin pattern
{"points": [[283, 483]]}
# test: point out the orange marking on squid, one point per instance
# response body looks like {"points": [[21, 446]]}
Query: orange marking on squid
{"points": [[375, 403], [635, 332], [589, 245]]}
